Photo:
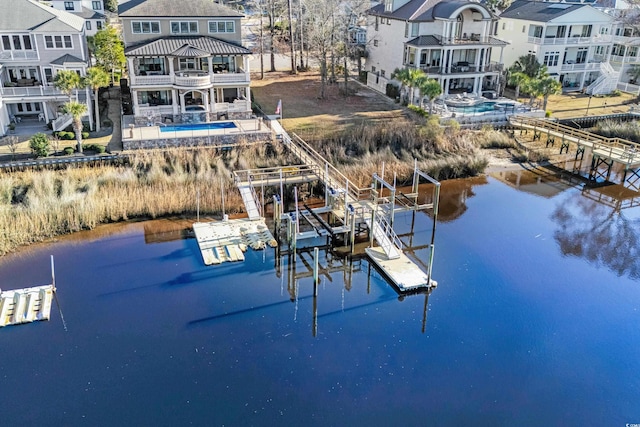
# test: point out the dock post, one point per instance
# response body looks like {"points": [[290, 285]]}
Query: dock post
{"points": [[53, 274], [315, 271], [353, 228], [198, 205], [373, 224]]}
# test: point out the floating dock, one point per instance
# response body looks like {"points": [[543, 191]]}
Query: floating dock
{"points": [[25, 305], [225, 241], [402, 272]]}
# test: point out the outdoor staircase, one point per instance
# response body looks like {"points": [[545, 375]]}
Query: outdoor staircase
{"points": [[62, 122], [606, 83]]}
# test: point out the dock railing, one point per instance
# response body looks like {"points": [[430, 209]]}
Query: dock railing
{"points": [[622, 150]]}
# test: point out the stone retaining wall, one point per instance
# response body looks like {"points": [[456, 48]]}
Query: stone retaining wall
{"points": [[192, 117], [228, 140]]}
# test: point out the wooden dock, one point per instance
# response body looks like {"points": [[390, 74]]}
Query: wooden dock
{"points": [[225, 241], [25, 305]]}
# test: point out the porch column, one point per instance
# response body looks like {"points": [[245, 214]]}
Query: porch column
{"points": [[245, 64], [584, 74], [501, 53], [175, 101], [247, 92], [134, 99], [132, 70], [182, 105], [45, 110], [445, 89], [210, 64], [212, 99], [171, 68], [87, 94], [478, 57], [476, 82]]}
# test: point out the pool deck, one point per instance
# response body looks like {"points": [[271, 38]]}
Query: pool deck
{"points": [[137, 133]]}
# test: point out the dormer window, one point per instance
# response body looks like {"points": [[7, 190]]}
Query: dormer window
{"points": [[388, 5], [96, 5], [68, 5]]}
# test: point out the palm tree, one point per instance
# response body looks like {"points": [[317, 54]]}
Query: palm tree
{"points": [[67, 81], [431, 89], [402, 76], [527, 64], [95, 79], [518, 79], [76, 110], [546, 87], [415, 76]]}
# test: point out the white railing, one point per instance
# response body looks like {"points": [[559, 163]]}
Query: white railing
{"points": [[580, 67], [237, 105], [62, 122], [629, 88], [562, 40], [30, 91], [156, 109], [192, 80], [151, 80], [230, 78], [19, 55]]}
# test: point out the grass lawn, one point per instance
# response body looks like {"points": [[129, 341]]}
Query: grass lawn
{"points": [[304, 113]]}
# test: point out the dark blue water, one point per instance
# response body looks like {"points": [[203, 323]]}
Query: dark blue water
{"points": [[536, 321], [198, 126]]}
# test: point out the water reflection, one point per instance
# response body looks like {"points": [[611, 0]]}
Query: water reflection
{"points": [[599, 232], [594, 226]]}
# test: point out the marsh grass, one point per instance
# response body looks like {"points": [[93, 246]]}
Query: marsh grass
{"points": [[38, 205], [612, 128]]}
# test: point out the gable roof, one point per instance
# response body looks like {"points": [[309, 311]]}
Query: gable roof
{"points": [[67, 59], [175, 8], [87, 13], [539, 11], [179, 45], [29, 15]]}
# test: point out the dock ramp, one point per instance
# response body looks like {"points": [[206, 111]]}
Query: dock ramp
{"points": [[382, 232], [249, 198]]}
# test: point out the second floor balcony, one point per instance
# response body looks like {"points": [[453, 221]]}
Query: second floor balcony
{"points": [[19, 55], [463, 68], [191, 78], [9, 90]]}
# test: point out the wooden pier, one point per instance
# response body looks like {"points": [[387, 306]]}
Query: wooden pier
{"points": [[606, 151]]}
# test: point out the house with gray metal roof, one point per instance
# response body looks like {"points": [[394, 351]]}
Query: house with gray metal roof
{"points": [[452, 41], [36, 42], [185, 60], [92, 11], [573, 40]]}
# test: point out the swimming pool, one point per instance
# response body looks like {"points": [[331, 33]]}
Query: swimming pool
{"points": [[198, 126], [483, 107]]}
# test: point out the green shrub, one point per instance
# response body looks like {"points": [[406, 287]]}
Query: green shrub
{"points": [[392, 91], [68, 150], [100, 148], [418, 110], [547, 113], [39, 144], [85, 135], [68, 136]]}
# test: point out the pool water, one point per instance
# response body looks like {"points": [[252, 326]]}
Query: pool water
{"points": [[482, 107], [198, 126]]}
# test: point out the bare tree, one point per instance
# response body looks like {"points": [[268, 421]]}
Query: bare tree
{"points": [[320, 36], [12, 142]]}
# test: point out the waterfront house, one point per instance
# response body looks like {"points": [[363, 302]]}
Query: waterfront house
{"points": [[573, 40], [185, 61], [452, 41], [37, 41], [90, 10]]}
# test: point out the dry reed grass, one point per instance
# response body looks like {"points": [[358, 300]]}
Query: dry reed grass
{"points": [[37, 205]]}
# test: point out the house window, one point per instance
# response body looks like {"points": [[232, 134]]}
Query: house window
{"points": [[99, 25], [187, 64], [504, 25], [96, 5], [88, 25], [415, 28], [388, 5], [551, 59], [58, 42], [154, 97], [48, 75], [382, 73], [388, 21], [377, 23], [6, 43], [524, 28], [17, 45], [222, 27], [145, 27], [68, 5], [373, 69], [184, 27], [406, 29], [375, 43]]}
